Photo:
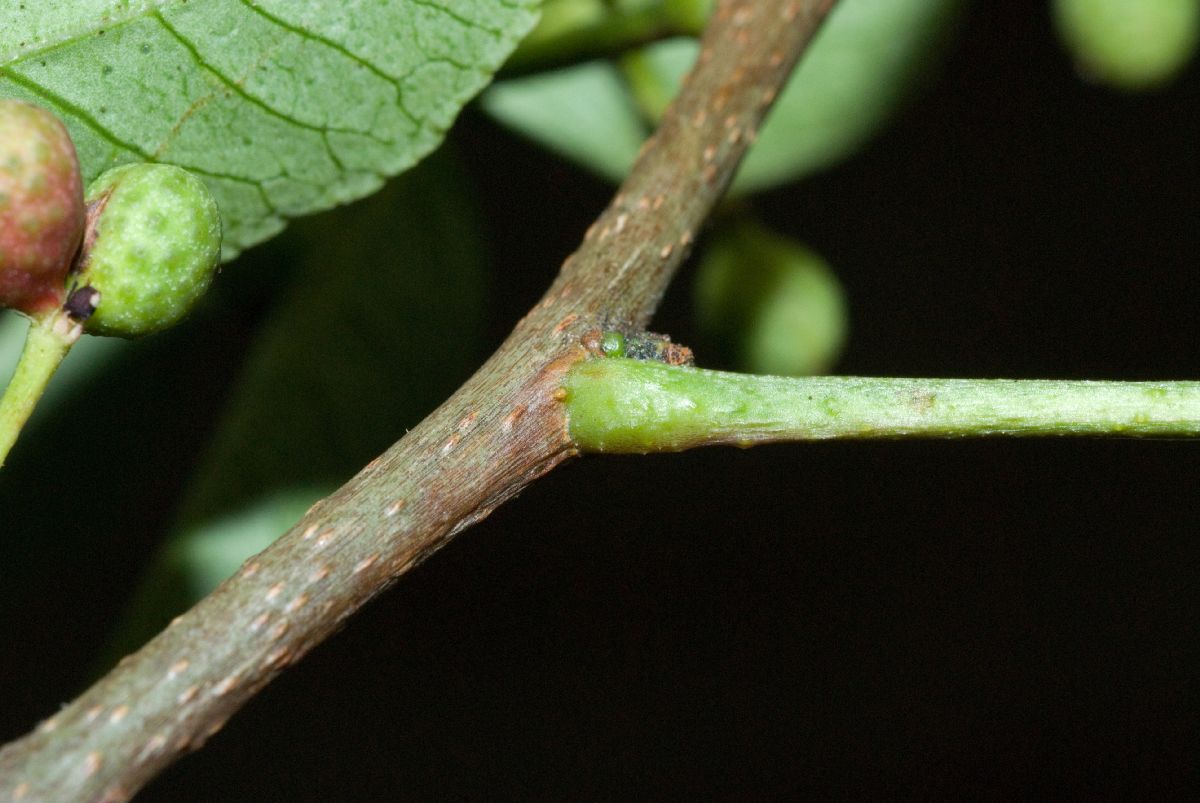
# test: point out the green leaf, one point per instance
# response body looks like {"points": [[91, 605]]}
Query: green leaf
{"points": [[284, 107], [583, 112], [864, 61], [380, 325], [863, 65]]}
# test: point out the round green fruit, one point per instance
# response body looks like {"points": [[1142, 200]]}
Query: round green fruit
{"points": [[41, 207], [152, 245], [1129, 44], [768, 304]]}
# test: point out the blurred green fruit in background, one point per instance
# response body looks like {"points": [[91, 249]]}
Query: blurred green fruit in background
{"points": [[1129, 44], [770, 303]]}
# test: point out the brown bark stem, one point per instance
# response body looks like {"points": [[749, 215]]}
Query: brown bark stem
{"points": [[502, 429]]}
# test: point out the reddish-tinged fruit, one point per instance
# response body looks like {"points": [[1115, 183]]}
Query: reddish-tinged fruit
{"points": [[41, 208]]}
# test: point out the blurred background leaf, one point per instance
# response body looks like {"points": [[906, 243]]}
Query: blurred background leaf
{"points": [[583, 112], [864, 62]]}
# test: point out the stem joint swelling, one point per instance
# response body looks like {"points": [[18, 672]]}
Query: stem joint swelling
{"points": [[636, 406]]}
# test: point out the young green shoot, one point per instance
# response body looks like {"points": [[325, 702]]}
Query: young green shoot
{"points": [[617, 404]]}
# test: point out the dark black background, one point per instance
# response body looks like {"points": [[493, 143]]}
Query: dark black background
{"points": [[989, 619]]}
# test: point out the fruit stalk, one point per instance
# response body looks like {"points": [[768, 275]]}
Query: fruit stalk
{"points": [[49, 339]]}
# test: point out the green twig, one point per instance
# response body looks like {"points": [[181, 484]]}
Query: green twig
{"points": [[48, 341], [623, 405]]}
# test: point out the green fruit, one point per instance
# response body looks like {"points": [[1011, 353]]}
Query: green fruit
{"points": [[151, 247], [41, 208], [1130, 44], [772, 305]]}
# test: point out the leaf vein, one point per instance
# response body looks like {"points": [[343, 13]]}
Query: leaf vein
{"points": [[75, 111], [237, 88], [342, 49], [459, 18]]}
